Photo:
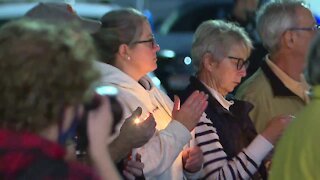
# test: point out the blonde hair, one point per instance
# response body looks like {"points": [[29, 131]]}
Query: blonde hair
{"points": [[122, 26]]}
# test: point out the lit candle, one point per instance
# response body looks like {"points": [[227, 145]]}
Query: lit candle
{"points": [[193, 142], [134, 154], [137, 121]]}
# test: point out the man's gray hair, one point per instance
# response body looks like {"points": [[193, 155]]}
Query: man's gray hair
{"points": [[273, 19], [217, 37], [312, 71]]}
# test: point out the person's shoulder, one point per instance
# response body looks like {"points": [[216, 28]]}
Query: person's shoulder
{"points": [[256, 84]]}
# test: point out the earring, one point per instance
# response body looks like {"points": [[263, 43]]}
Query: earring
{"points": [[128, 58]]}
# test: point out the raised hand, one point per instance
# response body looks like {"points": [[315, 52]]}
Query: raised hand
{"points": [[99, 123], [276, 127], [190, 112], [137, 134], [99, 127], [132, 135]]}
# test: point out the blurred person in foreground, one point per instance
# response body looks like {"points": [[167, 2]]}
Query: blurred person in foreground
{"points": [[46, 72], [278, 87], [127, 53], [297, 154], [231, 147], [133, 136]]}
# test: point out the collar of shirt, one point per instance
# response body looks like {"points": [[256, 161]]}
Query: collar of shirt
{"points": [[225, 103], [300, 88]]}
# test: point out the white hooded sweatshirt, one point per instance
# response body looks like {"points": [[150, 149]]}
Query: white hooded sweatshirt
{"points": [[161, 155]]}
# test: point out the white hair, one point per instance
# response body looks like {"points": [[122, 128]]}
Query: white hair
{"points": [[217, 37], [273, 19]]}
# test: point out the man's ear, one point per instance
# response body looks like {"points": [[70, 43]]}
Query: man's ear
{"points": [[289, 38], [208, 62]]}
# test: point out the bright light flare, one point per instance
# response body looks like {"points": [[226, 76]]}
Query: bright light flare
{"points": [[138, 120]]}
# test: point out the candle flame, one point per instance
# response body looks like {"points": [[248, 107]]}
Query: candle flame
{"points": [[137, 121]]}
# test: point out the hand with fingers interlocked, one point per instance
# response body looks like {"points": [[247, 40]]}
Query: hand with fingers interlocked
{"points": [[134, 169], [192, 159]]}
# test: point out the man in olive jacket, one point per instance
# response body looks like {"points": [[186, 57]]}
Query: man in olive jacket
{"points": [[278, 86]]}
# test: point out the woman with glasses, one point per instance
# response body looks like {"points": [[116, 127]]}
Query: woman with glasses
{"points": [[231, 147], [128, 52]]}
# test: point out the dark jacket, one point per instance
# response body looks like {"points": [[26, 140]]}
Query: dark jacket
{"points": [[234, 127]]}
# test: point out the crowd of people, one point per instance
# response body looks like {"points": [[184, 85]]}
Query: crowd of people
{"points": [[55, 123]]}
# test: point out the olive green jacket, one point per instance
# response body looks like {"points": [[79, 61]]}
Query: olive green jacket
{"points": [[269, 96]]}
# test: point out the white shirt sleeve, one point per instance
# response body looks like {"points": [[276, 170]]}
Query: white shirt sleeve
{"points": [[217, 166]]}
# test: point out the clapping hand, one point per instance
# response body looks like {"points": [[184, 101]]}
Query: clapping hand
{"points": [[190, 112]]}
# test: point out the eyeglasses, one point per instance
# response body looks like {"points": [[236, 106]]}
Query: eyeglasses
{"points": [[151, 40], [316, 27], [240, 62]]}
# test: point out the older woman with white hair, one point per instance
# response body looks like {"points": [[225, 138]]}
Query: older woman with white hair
{"points": [[231, 147]]}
